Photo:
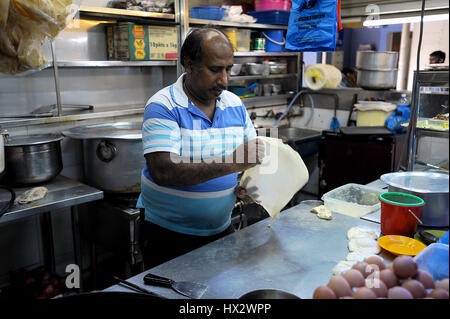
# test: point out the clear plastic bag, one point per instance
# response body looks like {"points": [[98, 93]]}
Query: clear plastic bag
{"points": [[24, 25]]}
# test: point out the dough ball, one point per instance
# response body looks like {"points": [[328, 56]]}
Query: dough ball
{"points": [[364, 293], [354, 278], [399, 293], [324, 292], [376, 260], [405, 266], [377, 286], [438, 293], [340, 286], [443, 284], [426, 279], [389, 278], [415, 287]]}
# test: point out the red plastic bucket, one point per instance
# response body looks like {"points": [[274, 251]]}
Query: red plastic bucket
{"points": [[396, 213]]}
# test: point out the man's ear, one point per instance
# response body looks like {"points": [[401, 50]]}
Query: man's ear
{"points": [[189, 66]]}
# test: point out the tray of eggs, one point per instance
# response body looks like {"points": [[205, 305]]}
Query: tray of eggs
{"points": [[373, 279]]}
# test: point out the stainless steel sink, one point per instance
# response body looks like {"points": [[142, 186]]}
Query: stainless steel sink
{"points": [[292, 134]]}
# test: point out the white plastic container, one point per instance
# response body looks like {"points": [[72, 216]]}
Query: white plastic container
{"points": [[434, 259], [243, 40], [353, 200]]}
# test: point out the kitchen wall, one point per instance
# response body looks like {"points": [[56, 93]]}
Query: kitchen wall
{"points": [[435, 37]]}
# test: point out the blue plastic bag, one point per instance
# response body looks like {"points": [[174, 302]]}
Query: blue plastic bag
{"points": [[399, 117], [312, 26]]}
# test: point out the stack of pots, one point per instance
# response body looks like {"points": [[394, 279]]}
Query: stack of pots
{"points": [[376, 69]]}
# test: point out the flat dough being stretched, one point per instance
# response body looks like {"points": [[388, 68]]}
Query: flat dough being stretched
{"points": [[281, 174]]}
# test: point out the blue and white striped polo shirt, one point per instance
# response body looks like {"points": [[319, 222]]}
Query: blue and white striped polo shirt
{"points": [[173, 124]]}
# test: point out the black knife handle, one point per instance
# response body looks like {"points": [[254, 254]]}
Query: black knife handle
{"points": [[150, 279]]}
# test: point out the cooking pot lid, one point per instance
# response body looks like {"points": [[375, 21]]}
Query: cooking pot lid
{"points": [[26, 140], [420, 182], [120, 130]]}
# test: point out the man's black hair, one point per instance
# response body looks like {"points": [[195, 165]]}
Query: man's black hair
{"points": [[439, 54], [192, 47]]}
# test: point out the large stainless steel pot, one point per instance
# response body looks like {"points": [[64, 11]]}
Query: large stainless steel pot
{"points": [[376, 60], [377, 79], [113, 155], [431, 187], [32, 159]]}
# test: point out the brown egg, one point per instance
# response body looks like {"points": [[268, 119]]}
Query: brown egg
{"points": [[390, 266], [376, 260], [340, 286], [405, 266], [399, 293], [438, 293], [415, 287], [347, 297], [425, 278], [354, 278], [362, 268], [389, 278], [377, 286], [443, 284], [364, 293], [324, 292]]}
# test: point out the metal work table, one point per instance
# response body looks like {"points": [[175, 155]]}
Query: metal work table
{"points": [[62, 192], [296, 255]]}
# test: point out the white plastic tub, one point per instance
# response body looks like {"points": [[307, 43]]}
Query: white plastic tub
{"points": [[353, 200]]}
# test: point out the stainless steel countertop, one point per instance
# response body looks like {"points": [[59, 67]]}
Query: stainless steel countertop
{"points": [[62, 192], [296, 255]]}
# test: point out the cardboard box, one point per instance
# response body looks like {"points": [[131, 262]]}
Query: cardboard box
{"points": [[131, 42], [110, 42], [163, 42]]}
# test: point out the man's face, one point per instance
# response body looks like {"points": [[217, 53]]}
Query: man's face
{"points": [[434, 59], [210, 77]]}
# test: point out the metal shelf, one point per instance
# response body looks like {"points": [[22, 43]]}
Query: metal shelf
{"points": [[265, 54], [238, 25], [262, 77], [121, 13], [431, 133], [268, 98], [104, 64]]}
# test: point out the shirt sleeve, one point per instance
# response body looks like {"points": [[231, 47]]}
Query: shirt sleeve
{"points": [[160, 130], [249, 129]]}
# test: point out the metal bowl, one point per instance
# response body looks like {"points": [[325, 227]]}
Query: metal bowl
{"points": [[278, 67], [236, 69], [269, 294], [255, 68]]}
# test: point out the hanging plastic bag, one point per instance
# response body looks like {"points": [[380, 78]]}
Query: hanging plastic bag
{"points": [[24, 25], [312, 26]]}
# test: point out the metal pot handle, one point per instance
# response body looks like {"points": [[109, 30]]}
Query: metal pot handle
{"points": [[106, 151]]}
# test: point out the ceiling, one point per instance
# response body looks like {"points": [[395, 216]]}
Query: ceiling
{"points": [[361, 8]]}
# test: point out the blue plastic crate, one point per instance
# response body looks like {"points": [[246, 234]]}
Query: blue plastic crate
{"points": [[207, 13], [271, 16]]}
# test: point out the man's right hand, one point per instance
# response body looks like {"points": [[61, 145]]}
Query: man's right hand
{"points": [[249, 154]]}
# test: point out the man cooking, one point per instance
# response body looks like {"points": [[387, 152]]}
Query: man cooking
{"points": [[196, 138]]}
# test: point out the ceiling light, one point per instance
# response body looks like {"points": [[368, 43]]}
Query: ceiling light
{"points": [[414, 19]]}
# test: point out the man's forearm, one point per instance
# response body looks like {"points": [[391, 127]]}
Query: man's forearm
{"points": [[179, 172]]}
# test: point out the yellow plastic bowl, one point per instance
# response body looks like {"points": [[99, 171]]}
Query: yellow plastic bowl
{"points": [[401, 245]]}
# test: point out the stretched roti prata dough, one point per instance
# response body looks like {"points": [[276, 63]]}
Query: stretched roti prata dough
{"points": [[281, 174]]}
